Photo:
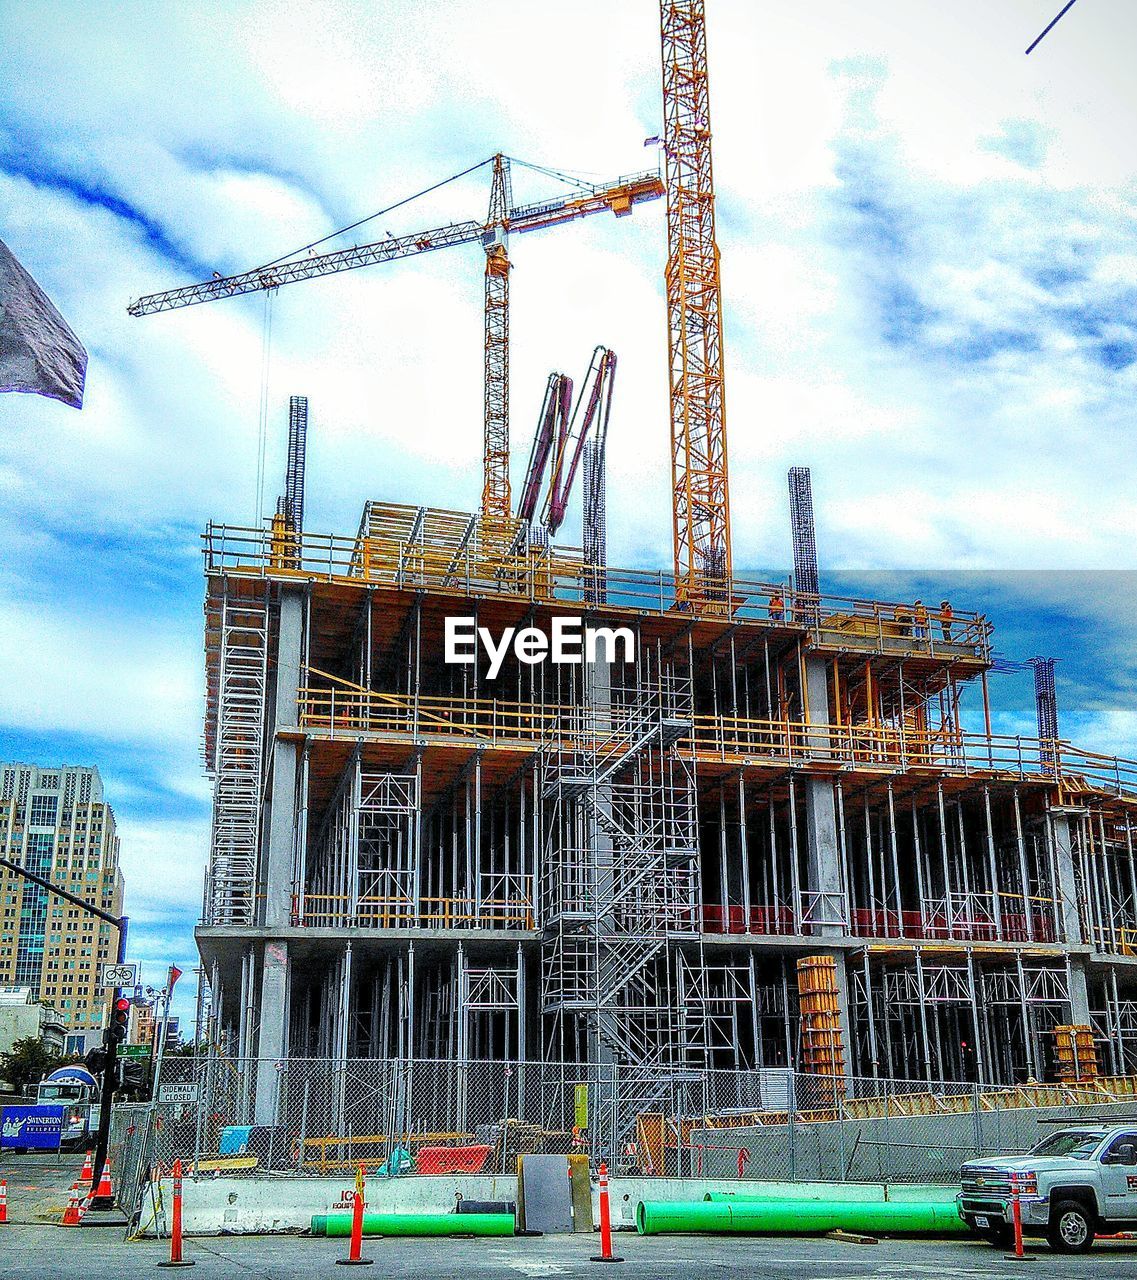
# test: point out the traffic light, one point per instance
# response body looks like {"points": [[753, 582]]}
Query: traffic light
{"points": [[95, 1060], [120, 1016], [133, 1075]]}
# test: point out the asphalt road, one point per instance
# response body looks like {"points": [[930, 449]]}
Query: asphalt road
{"points": [[32, 1247]]}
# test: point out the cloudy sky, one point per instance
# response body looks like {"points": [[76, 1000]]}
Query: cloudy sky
{"points": [[929, 274]]}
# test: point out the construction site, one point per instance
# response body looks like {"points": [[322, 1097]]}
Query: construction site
{"points": [[761, 845]]}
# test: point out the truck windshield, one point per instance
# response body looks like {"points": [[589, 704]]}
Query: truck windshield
{"points": [[61, 1093], [1077, 1144]]}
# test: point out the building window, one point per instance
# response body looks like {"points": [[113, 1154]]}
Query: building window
{"points": [[43, 811]]}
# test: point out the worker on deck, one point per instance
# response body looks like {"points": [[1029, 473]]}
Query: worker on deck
{"points": [[919, 620], [777, 606], [947, 617], [903, 621]]}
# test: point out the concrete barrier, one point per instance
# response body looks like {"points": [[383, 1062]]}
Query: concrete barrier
{"points": [[262, 1206]]}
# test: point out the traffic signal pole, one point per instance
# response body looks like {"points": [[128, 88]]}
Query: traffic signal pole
{"points": [[106, 1096]]}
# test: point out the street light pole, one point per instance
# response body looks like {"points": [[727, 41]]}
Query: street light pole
{"points": [[106, 1096]]}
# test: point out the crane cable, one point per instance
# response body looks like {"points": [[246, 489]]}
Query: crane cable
{"points": [[315, 244], [579, 181]]}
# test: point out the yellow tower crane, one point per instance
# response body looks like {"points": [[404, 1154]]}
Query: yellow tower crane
{"points": [[504, 219], [700, 490]]}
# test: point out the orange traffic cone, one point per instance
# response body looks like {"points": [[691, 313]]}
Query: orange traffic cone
{"points": [[73, 1215], [3, 1201], [104, 1196], [88, 1174]]}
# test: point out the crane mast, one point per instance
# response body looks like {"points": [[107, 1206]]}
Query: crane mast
{"points": [[495, 451], [701, 503]]}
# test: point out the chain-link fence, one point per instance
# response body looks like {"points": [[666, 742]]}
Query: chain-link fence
{"points": [[323, 1117]]}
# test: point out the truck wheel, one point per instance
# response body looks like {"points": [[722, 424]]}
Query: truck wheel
{"points": [[1071, 1228]]}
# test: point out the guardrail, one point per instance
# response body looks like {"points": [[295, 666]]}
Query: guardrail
{"points": [[513, 725], [462, 567], [336, 910]]}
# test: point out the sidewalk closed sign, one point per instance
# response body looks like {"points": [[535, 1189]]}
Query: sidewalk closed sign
{"points": [[36, 1128], [177, 1092]]}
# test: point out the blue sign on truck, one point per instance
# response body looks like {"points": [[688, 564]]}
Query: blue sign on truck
{"points": [[36, 1128]]}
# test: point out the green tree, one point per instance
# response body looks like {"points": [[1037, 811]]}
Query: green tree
{"points": [[27, 1063]]}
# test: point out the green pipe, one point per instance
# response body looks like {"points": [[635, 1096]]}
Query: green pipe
{"points": [[656, 1216], [835, 1195], [798, 1217], [416, 1224]]}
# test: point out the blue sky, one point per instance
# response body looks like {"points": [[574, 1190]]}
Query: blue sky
{"points": [[929, 277]]}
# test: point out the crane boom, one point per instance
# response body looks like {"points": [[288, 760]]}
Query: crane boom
{"points": [[563, 432], [701, 502], [321, 264], [618, 196]]}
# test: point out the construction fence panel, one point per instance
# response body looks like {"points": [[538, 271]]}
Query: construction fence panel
{"points": [[324, 1117], [127, 1150]]}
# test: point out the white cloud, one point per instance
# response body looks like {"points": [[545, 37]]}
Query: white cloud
{"points": [[108, 677]]}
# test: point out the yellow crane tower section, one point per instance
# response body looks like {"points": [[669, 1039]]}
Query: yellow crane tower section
{"points": [[701, 500], [496, 498]]}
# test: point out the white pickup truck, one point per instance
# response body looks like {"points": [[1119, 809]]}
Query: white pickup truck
{"points": [[1078, 1182]]}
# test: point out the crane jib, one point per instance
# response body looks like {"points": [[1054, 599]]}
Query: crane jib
{"points": [[618, 197], [273, 276]]}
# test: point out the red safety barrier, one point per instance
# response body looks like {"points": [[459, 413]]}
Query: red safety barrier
{"points": [[355, 1256], [176, 1259], [1017, 1218], [605, 1254], [451, 1159], [3, 1201]]}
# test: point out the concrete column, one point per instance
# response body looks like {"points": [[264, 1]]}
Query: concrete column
{"points": [[823, 854], [272, 1044], [1079, 991], [280, 819], [277, 853], [1067, 886], [824, 879]]}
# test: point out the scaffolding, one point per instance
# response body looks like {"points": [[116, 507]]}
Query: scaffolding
{"points": [[620, 888], [239, 621], [620, 865], [964, 1015]]}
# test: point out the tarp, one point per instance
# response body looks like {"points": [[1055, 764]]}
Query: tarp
{"points": [[38, 351]]}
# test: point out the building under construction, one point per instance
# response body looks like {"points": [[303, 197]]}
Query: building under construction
{"points": [[628, 861], [766, 840]]}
